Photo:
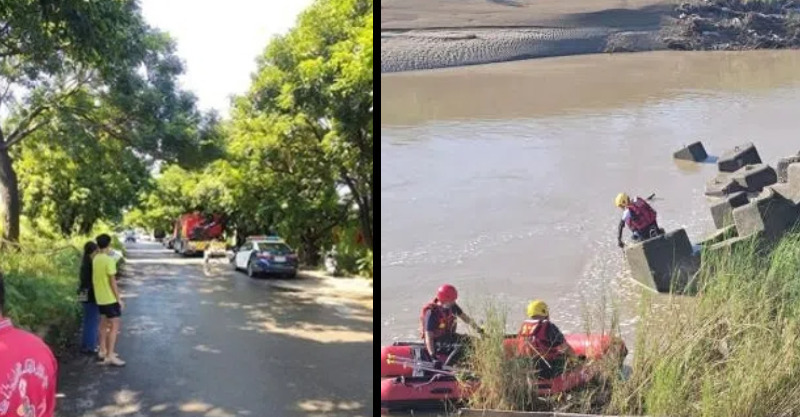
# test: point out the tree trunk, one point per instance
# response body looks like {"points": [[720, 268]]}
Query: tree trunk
{"points": [[86, 226], [364, 210], [310, 252], [364, 200], [9, 196]]}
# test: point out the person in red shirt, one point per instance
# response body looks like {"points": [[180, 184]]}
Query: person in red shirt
{"points": [[28, 371]]}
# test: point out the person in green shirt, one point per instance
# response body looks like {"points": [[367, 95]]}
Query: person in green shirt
{"points": [[109, 301]]}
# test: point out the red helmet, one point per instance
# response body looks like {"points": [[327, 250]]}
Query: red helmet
{"points": [[447, 293]]}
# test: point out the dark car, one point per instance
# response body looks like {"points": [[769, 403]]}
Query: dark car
{"points": [[266, 255]]}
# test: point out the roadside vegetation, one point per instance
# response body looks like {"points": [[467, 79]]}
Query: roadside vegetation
{"points": [[42, 281], [96, 131], [731, 350], [296, 157]]}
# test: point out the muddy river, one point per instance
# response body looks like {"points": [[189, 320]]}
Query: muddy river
{"points": [[500, 179]]}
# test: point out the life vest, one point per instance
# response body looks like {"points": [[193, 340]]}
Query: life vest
{"points": [[532, 340], [642, 215], [447, 320]]}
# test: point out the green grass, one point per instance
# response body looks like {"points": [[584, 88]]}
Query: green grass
{"points": [[365, 265], [41, 287], [733, 350], [509, 384], [41, 284]]}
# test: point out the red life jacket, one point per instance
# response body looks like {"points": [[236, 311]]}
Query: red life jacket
{"points": [[532, 340], [642, 215], [447, 320]]}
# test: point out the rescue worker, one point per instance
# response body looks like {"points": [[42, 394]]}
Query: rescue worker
{"points": [[438, 326], [543, 341], [640, 218]]}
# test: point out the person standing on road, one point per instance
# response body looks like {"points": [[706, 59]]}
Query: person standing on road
{"points": [[28, 371], [91, 315], [109, 301]]}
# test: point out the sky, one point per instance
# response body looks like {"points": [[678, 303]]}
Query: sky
{"points": [[219, 40]]}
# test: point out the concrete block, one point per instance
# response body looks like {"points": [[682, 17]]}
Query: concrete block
{"points": [[722, 211], [753, 178], [664, 262], [782, 167], [694, 152], [793, 175], [738, 157], [718, 236], [722, 185], [771, 215], [728, 245], [788, 191]]}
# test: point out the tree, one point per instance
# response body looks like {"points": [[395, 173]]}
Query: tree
{"points": [[284, 182], [321, 75], [73, 178], [51, 51]]}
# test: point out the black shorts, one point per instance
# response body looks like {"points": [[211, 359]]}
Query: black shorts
{"points": [[110, 311]]}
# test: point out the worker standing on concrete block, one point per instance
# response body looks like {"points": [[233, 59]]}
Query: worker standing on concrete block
{"points": [[640, 218], [542, 340], [438, 325]]}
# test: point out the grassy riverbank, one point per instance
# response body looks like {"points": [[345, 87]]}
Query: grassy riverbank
{"points": [[732, 350]]}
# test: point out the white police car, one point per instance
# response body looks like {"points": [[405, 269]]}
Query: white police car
{"points": [[266, 255]]}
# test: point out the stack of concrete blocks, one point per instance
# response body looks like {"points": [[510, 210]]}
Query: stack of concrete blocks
{"points": [[740, 169], [773, 208], [741, 177], [749, 199]]}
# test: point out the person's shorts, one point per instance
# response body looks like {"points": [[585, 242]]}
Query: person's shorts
{"points": [[110, 311]]}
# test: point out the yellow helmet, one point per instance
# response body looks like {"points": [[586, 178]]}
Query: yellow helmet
{"points": [[538, 308], [622, 200]]}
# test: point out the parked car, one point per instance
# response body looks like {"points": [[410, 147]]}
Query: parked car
{"points": [[266, 255]]}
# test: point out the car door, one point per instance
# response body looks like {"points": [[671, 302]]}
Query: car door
{"points": [[243, 255]]}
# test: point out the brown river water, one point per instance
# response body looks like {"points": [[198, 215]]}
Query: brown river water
{"points": [[500, 179]]}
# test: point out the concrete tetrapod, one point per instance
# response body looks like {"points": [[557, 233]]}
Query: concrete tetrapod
{"points": [[722, 211], [663, 263], [694, 152], [753, 178], [770, 214], [738, 157]]}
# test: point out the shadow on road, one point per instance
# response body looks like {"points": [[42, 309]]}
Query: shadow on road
{"points": [[214, 342]]}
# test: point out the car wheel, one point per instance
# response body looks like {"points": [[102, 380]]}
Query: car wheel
{"points": [[292, 275], [250, 271]]}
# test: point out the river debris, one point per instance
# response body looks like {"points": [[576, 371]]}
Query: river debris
{"points": [[735, 25]]}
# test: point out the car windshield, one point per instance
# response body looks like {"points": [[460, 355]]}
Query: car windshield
{"points": [[275, 248]]}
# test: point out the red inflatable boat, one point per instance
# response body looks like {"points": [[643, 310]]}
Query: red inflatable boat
{"points": [[435, 391], [586, 346]]}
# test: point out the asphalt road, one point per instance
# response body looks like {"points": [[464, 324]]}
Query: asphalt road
{"points": [[208, 341]]}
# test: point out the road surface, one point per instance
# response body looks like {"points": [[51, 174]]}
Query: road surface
{"points": [[208, 341]]}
